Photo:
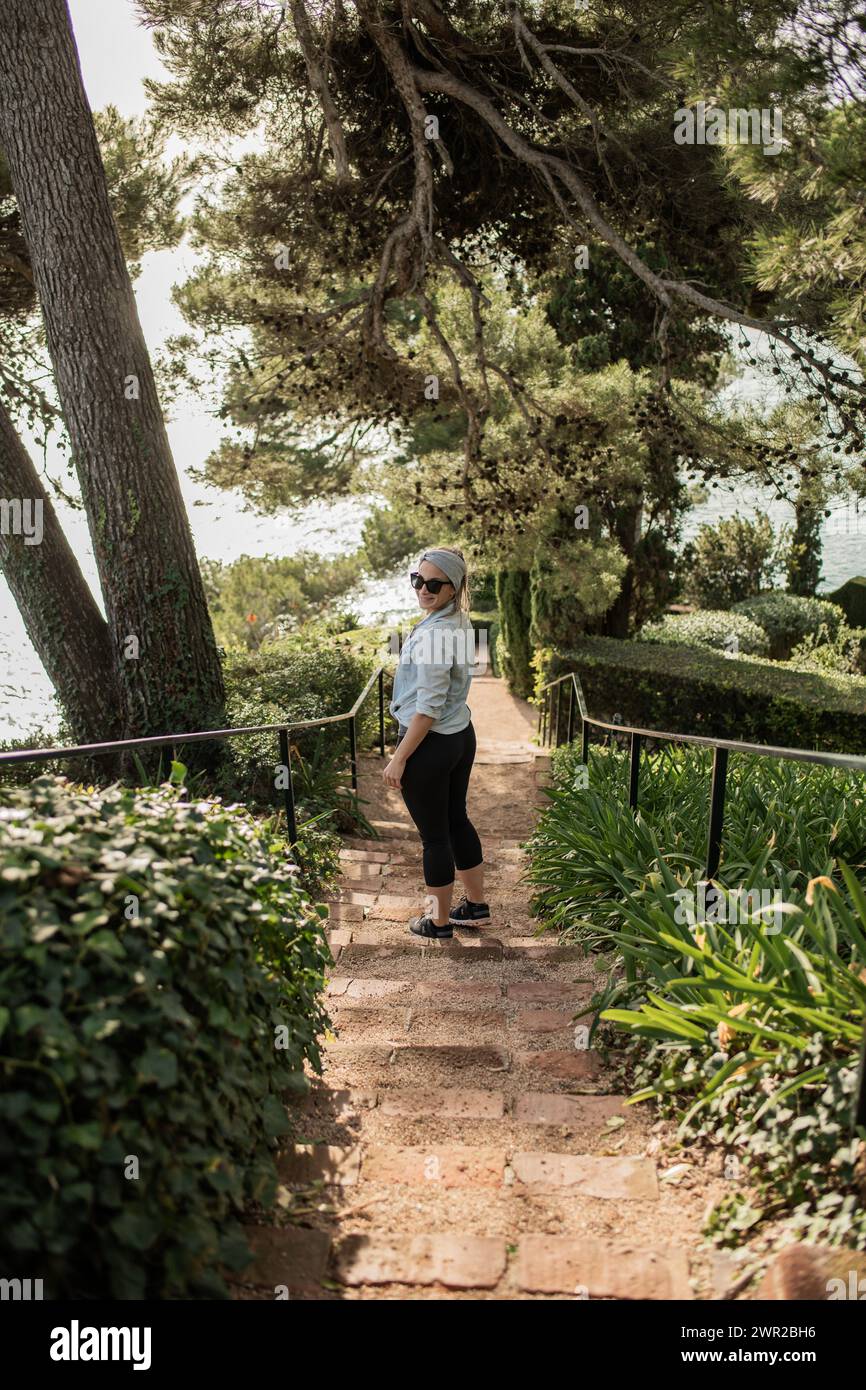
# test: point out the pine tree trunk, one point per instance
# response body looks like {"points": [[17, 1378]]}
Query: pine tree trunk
{"points": [[59, 611], [169, 675]]}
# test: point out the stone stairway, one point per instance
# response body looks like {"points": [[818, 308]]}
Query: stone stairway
{"points": [[463, 1141]]}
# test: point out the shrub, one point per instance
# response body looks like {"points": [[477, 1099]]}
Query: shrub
{"points": [[851, 598], [781, 1017], [699, 691], [785, 823], [310, 675], [730, 561], [746, 1023], [723, 630], [788, 618], [257, 595], [841, 652], [797, 1159], [151, 949]]}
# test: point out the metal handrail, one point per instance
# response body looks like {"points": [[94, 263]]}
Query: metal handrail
{"points": [[548, 724], [82, 750]]}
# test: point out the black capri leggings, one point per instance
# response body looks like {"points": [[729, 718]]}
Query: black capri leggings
{"points": [[434, 785]]}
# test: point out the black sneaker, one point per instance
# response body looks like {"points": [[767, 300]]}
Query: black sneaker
{"points": [[467, 914], [425, 926]]}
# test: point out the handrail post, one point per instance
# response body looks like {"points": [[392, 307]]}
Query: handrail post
{"points": [[858, 1115], [289, 791], [558, 705], [382, 711], [717, 812], [353, 752], [584, 743], [634, 770], [570, 725]]}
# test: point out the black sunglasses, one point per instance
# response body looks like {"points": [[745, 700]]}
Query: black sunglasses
{"points": [[434, 585]]}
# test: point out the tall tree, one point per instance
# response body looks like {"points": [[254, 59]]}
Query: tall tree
{"points": [[410, 150], [165, 656]]}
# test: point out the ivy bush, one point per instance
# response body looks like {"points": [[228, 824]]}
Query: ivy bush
{"points": [[160, 979], [709, 628]]}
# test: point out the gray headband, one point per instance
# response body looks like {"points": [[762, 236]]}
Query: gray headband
{"points": [[448, 563]]}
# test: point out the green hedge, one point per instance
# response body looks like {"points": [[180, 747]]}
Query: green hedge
{"points": [[851, 597], [788, 618], [151, 951], [702, 692], [513, 651], [708, 627]]}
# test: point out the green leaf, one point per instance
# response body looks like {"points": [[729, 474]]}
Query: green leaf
{"points": [[159, 1065], [274, 1117]]}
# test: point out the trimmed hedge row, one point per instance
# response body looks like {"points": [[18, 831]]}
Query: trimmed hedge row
{"points": [[699, 691]]}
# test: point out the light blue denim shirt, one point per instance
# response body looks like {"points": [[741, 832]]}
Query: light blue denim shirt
{"points": [[434, 670]]}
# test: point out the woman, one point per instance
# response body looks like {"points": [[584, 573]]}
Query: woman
{"points": [[436, 743]]}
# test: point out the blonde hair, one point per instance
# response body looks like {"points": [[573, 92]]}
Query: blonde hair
{"points": [[463, 597]]}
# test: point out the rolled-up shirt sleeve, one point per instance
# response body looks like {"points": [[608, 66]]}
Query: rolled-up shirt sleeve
{"points": [[434, 661]]}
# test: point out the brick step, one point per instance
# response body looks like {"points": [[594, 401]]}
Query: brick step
{"points": [[388, 844], [469, 993], [443, 1064], [354, 1019], [395, 829], [434, 965], [394, 834], [405, 874], [365, 853], [539, 1108], [496, 1023], [624, 1178], [355, 943], [494, 759], [575, 1266], [353, 871]]}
